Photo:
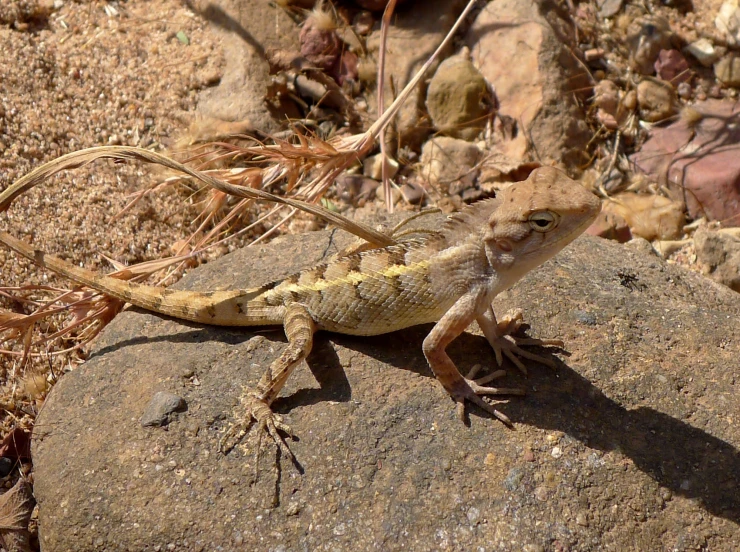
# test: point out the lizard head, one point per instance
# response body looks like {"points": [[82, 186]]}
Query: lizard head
{"points": [[534, 220]]}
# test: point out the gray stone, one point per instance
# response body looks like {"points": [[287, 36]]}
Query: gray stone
{"points": [[6, 465], [608, 8], [650, 391], [247, 31], [728, 21], [718, 254], [446, 161], [160, 407], [703, 50], [412, 39]]}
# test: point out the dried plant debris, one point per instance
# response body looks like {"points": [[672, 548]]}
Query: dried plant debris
{"points": [[16, 507]]}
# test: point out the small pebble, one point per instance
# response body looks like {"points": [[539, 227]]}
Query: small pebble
{"points": [[727, 70], [473, 515], [541, 494], [528, 455], [160, 407], [587, 318]]}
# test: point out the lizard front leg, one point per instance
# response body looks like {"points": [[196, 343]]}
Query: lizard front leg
{"points": [[500, 336], [255, 403], [451, 325]]}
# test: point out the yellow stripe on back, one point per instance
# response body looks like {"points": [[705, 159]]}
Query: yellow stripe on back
{"points": [[353, 278]]}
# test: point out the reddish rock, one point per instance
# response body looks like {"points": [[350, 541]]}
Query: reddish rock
{"points": [[610, 226], [319, 45], [671, 66], [699, 159]]}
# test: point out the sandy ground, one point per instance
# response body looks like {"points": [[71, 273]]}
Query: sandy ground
{"points": [[90, 74]]}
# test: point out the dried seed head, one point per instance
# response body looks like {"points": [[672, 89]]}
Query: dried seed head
{"points": [[34, 385], [691, 116], [322, 19]]}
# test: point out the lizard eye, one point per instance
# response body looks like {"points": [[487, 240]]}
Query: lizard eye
{"points": [[543, 221]]}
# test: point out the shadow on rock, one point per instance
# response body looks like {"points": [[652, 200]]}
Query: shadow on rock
{"points": [[687, 460]]}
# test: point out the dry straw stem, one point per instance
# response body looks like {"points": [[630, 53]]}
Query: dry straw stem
{"points": [[380, 125]]}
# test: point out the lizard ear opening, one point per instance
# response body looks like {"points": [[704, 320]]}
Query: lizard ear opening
{"points": [[543, 221]]}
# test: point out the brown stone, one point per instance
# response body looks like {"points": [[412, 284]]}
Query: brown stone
{"points": [[459, 99], [727, 70], [520, 49], [656, 100], [718, 255], [647, 215], [611, 226]]}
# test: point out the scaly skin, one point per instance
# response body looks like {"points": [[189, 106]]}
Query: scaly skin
{"points": [[449, 278]]}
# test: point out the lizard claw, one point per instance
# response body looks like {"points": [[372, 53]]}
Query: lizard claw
{"points": [[472, 391], [257, 411]]}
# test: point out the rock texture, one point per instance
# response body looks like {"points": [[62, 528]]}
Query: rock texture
{"points": [[698, 158], [631, 443], [459, 99], [718, 254], [247, 31], [521, 49], [416, 33]]}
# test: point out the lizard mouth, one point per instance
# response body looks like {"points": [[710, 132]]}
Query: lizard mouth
{"points": [[578, 230]]}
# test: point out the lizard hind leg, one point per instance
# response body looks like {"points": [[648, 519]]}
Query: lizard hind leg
{"points": [[255, 403]]}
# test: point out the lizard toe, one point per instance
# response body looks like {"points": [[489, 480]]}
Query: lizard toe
{"points": [[470, 391], [256, 411]]}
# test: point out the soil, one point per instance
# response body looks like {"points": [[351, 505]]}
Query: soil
{"points": [[90, 74]]}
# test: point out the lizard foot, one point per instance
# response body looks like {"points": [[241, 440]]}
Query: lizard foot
{"points": [[505, 343], [256, 411], [472, 389]]}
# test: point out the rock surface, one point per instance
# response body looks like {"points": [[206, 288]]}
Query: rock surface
{"points": [[519, 47], [414, 36], [649, 216], [631, 443], [446, 161], [247, 30], [718, 254]]}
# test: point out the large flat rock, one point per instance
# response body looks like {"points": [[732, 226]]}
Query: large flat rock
{"points": [[630, 444]]}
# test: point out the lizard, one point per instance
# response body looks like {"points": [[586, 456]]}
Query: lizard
{"points": [[448, 277]]}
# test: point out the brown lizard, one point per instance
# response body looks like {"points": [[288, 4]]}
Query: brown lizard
{"points": [[449, 277]]}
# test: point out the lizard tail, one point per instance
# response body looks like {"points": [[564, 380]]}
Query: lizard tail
{"points": [[222, 308]]}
